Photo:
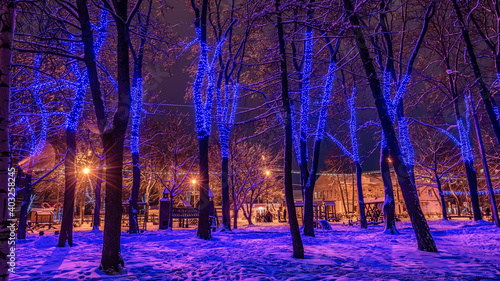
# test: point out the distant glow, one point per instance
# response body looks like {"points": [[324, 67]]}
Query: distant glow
{"points": [[193, 181], [268, 173], [86, 170]]}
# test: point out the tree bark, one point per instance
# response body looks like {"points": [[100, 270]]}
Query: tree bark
{"points": [[419, 224], [298, 248], [494, 209], [21, 232], [7, 25], [235, 217], [389, 203], [134, 195], [66, 234], [204, 230], [441, 196], [113, 140], [361, 201], [98, 185], [226, 220]]}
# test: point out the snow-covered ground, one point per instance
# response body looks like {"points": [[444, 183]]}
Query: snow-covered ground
{"points": [[467, 251]]}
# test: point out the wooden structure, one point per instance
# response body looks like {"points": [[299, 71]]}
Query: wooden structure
{"points": [[374, 210], [141, 214], [41, 217]]}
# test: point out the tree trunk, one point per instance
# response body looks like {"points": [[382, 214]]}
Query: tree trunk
{"points": [[21, 232], [170, 213], [226, 220], [113, 140], [494, 209], [112, 260], [308, 218], [66, 234], [204, 230], [134, 195], [420, 227], [7, 25], [474, 198], [298, 248], [235, 217], [97, 207], [389, 204], [361, 201], [441, 196]]}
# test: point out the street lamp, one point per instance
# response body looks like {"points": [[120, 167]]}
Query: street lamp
{"points": [[193, 181], [268, 173], [86, 170]]}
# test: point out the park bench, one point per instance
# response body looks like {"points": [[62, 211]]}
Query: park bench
{"points": [[458, 217], [184, 214]]}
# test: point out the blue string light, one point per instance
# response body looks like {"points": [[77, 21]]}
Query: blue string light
{"points": [[320, 131], [465, 142], [203, 110], [136, 115], [406, 147], [40, 144], [295, 140], [353, 127], [304, 93], [387, 95], [225, 122]]}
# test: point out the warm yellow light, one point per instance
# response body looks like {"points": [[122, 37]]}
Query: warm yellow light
{"points": [[389, 159], [86, 171], [193, 181], [268, 173]]}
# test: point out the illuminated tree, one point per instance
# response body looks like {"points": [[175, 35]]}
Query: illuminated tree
{"points": [[72, 121], [408, 188], [136, 108], [298, 248], [488, 100], [354, 155]]}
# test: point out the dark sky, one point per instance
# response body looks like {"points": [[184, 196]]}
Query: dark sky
{"points": [[172, 83]]}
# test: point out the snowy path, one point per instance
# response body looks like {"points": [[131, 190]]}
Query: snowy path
{"points": [[467, 251]]}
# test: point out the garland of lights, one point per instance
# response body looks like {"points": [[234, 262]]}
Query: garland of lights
{"points": [[40, 145], [306, 80], [136, 116], [352, 127], [479, 192], [225, 121], [295, 140], [320, 131]]}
